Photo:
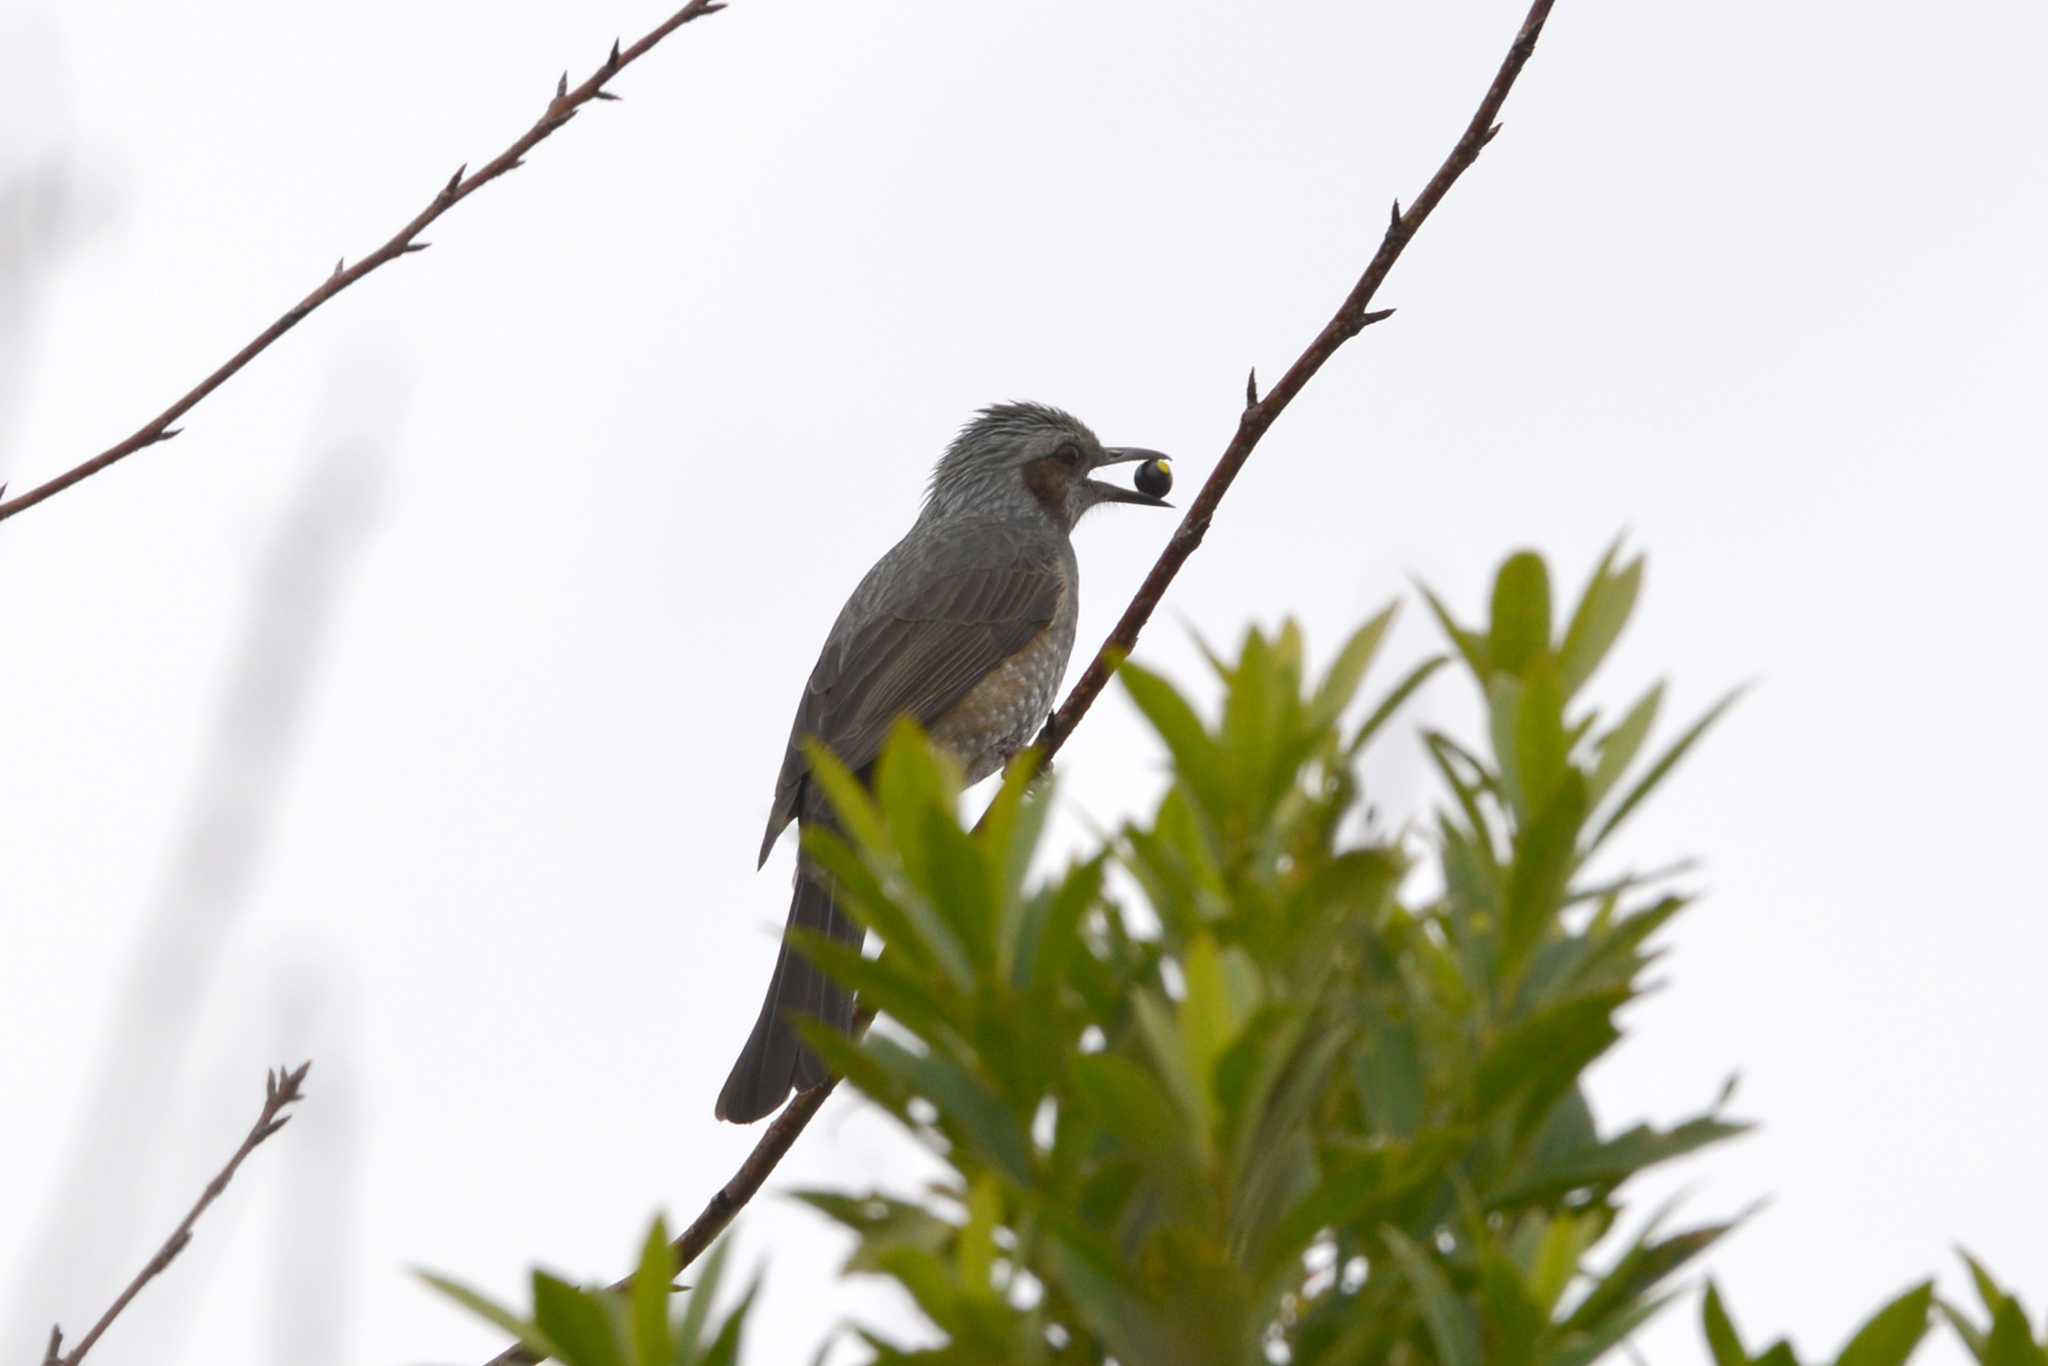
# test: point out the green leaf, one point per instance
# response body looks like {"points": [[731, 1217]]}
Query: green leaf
{"points": [[906, 922], [1603, 610], [1521, 613], [1665, 763], [969, 1110], [725, 1348], [1196, 759], [1129, 1103], [1209, 1018], [2010, 1342], [1539, 742], [1607, 1164], [1470, 646], [1347, 672], [883, 984], [912, 781], [1647, 1263], [1548, 1047], [1722, 1339], [1392, 703], [493, 1313], [1891, 1334], [1545, 855], [578, 1320], [1512, 1314], [851, 804], [962, 886], [1617, 749], [1452, 1326], [1050, 932], [1988, 1290], [975, 1259], [652, 1282], [1565, 1239], [689, 1334], [1099, 1283]]}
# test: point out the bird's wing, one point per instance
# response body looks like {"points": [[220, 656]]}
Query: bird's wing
{"points": [[914, 640]]}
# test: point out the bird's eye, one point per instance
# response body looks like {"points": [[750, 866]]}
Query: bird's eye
{"points": [[1068, 455]]}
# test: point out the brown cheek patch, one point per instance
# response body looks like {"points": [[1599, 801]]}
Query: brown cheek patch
{"points": [[1047, 481]]}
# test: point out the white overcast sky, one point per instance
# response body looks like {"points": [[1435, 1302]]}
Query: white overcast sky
{"points": [[418, 709]]}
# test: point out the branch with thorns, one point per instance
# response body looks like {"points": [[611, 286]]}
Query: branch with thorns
{"points": [[280, 1089], [404, 242], [1353, 316]]}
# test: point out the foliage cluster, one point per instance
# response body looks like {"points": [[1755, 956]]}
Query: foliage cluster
{"points": [[1257, 1080]]}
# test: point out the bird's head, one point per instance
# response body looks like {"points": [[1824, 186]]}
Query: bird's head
{"points": [[1025, 455]]}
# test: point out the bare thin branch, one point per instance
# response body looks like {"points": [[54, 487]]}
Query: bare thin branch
{"points": [[559, 111], [1352, 316], [280, 1089]]}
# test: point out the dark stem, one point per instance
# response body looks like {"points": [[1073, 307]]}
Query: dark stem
{"points": [[559, 111]]}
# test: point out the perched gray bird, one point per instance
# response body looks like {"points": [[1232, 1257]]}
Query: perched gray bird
{"points": [[966, 625]]}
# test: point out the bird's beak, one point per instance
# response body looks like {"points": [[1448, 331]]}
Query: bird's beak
{"points": [[1115, 493]]}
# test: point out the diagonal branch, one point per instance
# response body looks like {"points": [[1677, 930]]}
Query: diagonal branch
{"points": [[560, 110], [280, 1088], [1352, 317]]}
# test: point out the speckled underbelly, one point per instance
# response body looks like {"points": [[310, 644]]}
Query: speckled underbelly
{"points": [[1001, 714]]}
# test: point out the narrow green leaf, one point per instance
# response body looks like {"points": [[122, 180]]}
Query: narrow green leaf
{"points": [[1050, 934], [2010, 1341], [1988, 1290], [1603, 610], [1471, 647], [1521, 613], [1560, 1040], [966, 1108], [1608, 1164], [906, 922], [975, 1258], [1891, 1334], [1565, 1239], [689, 1335], [1160, 1032], [1392, 703], [1540, 743], [1129, 1104], [1100, 1285], [1722, 1339], [913, 781], [1453, 1328], [1618, 747], [1347, 672], [652, 1279], [1209, 1020], [1665, 763], [1196, 759], [851, 804], [493, 1313], [578, 1320], [1513, 1317], [725, 1348], [1545, 854]]}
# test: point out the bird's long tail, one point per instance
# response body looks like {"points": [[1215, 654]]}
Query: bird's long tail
{"points": [[774, 1060]]}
